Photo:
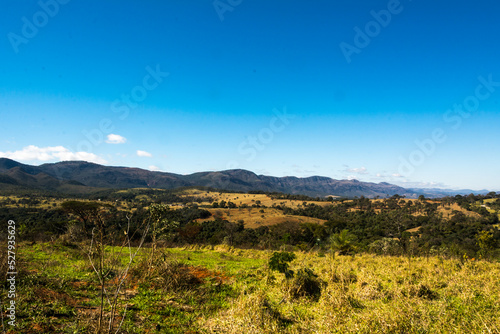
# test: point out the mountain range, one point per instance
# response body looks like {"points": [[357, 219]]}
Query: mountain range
{"points": [[72, 177]]}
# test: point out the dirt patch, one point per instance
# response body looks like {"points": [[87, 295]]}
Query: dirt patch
{"points": [[202, 273], [47, 295]]}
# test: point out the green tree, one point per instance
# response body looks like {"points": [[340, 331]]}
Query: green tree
{"points": [[343, 242], [485, 241], [87, 212]]}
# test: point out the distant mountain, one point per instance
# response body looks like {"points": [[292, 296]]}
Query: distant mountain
{"points": [[17, 176], [81, 177], [438, 192]]}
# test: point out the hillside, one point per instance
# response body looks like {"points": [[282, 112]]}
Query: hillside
{"points": [[74, 176]]}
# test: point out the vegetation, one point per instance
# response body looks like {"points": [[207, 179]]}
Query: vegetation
{"points": [[132, 263], [392, 226], [279, 262], [226, 290]]}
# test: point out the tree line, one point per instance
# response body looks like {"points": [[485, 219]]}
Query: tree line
{"points": [[388, 226]]}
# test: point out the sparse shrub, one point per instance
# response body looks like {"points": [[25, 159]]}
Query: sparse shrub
{"points": [[218, 215], [421, 291], [345, 278], [425, 292], [177, 276], [385, 246], [167, 274], [75, 233], [305, 283], [343, 242], [485, 241], [279, 262]]}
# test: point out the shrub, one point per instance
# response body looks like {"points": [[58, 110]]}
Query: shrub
{"points": [[279, 262], [385, 246], [305, 283], [177, 276], [167, 274], [343, 242], [344, 277], [425, 292]]}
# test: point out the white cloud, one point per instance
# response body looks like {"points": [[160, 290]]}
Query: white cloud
{"points": [[299, 171], [144, 154], [115, 139], [360, 170], [154, 168], [397, 175], [50, 153], [412, 184], [262, 172]]}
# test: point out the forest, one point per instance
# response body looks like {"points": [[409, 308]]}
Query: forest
{"points": [[451, 225]]}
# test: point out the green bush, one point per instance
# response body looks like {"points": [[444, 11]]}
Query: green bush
{"points": [[305, 283], [279, 262]]}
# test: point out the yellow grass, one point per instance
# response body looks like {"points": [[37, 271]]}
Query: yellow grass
{"points": [[253, 218], [248, 199], [448, 209], [372, 294]]}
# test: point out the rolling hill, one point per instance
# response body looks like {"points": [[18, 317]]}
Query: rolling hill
{"points": [[80, 176]]}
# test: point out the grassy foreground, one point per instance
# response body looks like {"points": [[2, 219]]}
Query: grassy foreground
{"points": [[225, 290]]}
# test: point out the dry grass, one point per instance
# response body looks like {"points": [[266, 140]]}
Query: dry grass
{"points": [[221, 289], [253, 217], [447, 211], [374, 294], [248, 199]]}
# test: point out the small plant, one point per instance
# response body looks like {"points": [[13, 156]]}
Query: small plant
{"points": [[343, 242], [486, 242], [425, 292], [421, 291], [305, 283], [159, 223], [279, 262]]}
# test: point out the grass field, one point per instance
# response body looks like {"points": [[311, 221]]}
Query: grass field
{"points": [[225, 290], [248, 199], [255, 217]]}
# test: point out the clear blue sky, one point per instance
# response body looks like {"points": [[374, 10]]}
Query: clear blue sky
{"points": [[343, 89]]}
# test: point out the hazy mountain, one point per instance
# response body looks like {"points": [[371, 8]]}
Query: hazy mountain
{"points": [[80, 176], [439, 192]]}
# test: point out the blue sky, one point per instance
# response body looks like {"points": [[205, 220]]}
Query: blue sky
{"points": [[405, 92]]}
